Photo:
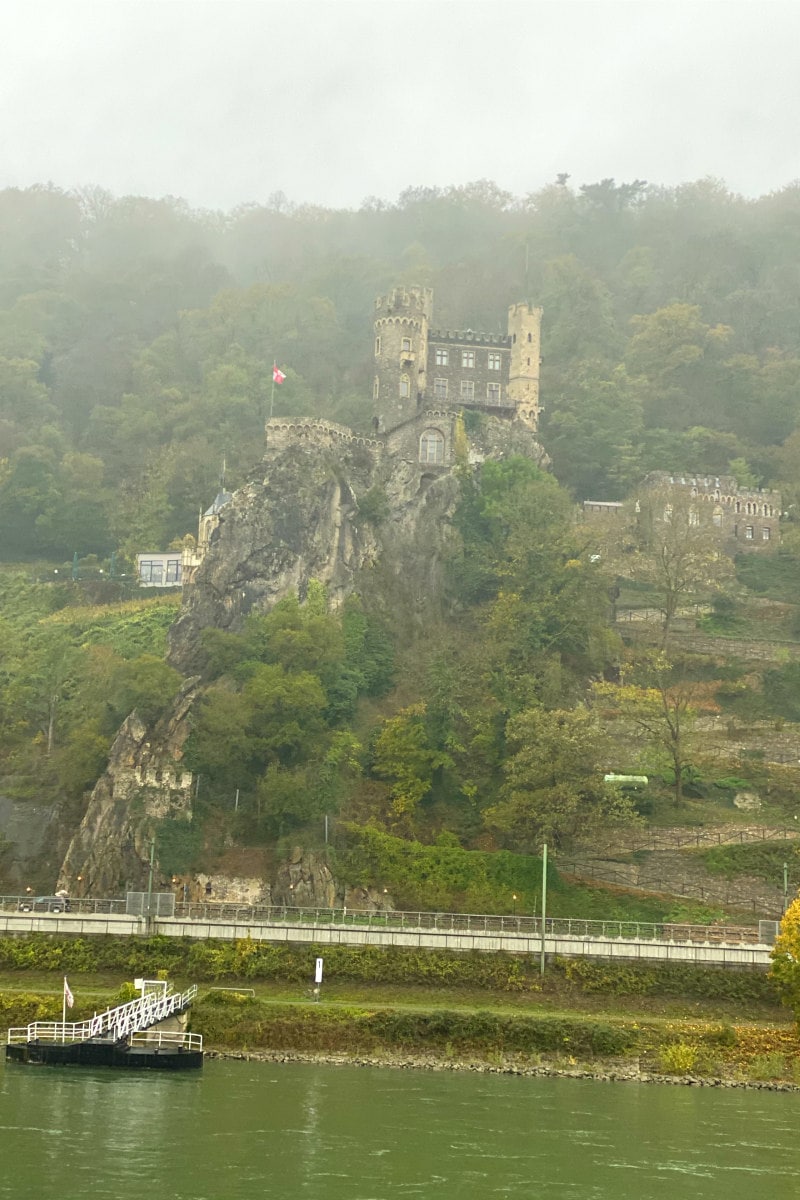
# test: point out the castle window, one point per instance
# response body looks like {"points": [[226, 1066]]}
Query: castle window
{"points": [[748, 532], [431, 447], [667, 512], [716, 517], [440, 389], [377, 346], [441, 357], [736, 531], [467, 389], [405, 387], [694, 516], [493, 393], [405, 345], [766, 533], [738, 506], [494, 362], [765, 510], [530, 339], [376, 387], [467, 358]]}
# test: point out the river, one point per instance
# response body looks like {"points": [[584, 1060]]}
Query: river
{"points": [[240, 1130]]}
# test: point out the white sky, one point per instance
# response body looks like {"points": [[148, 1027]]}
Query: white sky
{"points": [[329, 101]]}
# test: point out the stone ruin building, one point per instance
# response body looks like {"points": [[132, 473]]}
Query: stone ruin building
{"points": [[746, 518]]}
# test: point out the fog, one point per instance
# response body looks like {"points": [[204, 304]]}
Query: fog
{"points": [[228, 101]]}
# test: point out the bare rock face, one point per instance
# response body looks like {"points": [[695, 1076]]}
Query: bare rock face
{"points": [[304, 881], [368, 899], [299, 521], [143, 782]]}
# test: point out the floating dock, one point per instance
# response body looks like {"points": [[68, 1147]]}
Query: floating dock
{"points": [[126, 1036]]}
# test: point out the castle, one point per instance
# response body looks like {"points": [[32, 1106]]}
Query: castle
{"points": [[743, 518], [427, 377], [424, 382]]}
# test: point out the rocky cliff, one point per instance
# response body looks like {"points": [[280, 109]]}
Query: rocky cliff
{"points": [[143, 783], [327, 505]]}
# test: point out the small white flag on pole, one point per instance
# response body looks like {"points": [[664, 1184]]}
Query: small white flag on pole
{"points": [[69, 999]]}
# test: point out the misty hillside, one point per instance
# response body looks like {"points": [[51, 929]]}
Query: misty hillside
{"points": [[137, 337]]}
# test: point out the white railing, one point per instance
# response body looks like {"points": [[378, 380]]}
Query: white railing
{"points": [[169, 1041], [115, 1023]]}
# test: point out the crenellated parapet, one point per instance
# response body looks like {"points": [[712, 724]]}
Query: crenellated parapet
{"points": [[284, 431]]}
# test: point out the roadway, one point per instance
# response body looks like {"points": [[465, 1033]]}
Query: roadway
{"points": [[698, 945]]}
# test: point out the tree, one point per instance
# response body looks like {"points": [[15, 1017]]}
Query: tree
{"points": [[662, 704], [669, 543], [404, 756], [554, 785], [785, 969]]}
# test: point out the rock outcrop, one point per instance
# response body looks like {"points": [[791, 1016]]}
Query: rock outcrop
{"points": [[143, 783], [327, 505]]}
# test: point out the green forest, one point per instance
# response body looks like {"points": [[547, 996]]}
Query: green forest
{"points": [[137, 338]]}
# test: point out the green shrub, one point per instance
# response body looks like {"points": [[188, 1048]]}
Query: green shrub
{"points": [[678, 1058], [768, 1066]]}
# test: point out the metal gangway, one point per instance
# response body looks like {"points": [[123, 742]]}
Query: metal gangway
{"points": [[125, 1022]]}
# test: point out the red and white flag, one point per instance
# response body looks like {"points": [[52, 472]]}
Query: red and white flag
{"points": [[68, 996], [277, 375]]}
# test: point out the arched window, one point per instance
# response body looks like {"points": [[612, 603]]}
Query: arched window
{"points": [[431, 447], [405, 387], [376, 387]]}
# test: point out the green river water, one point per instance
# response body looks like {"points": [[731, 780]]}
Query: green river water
{"points": [[241, 1130]]}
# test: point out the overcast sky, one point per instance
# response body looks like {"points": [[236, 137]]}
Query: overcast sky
{"points": [[330, 101]]}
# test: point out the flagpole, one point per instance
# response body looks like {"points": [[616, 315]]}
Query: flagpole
{"points": [[272, 393], [64, 1011]]}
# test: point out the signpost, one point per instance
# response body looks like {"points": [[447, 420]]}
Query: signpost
{"points": [[317, 978]]}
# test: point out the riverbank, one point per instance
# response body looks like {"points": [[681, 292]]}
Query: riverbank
{"points": [[622, 1073], [430, 1009]]}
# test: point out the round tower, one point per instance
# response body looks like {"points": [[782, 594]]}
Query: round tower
{"points": [[525, 332], [402, 318]]}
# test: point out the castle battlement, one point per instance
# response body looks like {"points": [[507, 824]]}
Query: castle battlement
{"points": [[413, 301], [467, 337], [283, 431]]}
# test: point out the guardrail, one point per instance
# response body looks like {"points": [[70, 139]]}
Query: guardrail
{"points": [[226, 912]]}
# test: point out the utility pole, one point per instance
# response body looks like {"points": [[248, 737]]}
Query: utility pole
{"points": [[544, 902], [785, 886], [150, 879]]}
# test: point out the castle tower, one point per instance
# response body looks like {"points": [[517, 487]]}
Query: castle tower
{"points": [[402, 319], [524, 330]]}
